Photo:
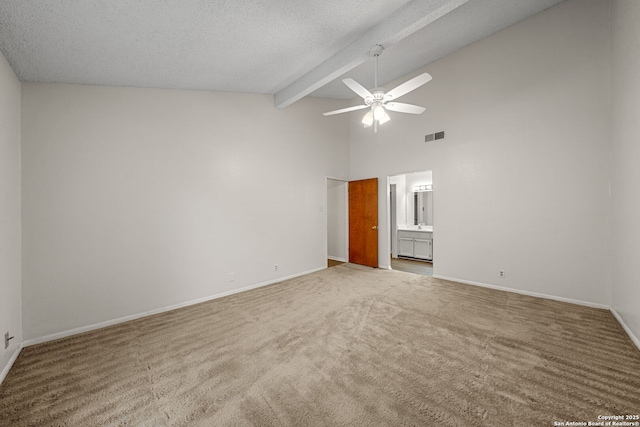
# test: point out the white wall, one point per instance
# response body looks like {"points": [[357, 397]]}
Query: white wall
{"points": [[401, 198], [625, 162], [337, 219], [10, 253], [521, 177], [138, 199]]}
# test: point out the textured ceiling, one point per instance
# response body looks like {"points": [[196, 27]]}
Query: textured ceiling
{"points": [[470, 22], [253, 46]]}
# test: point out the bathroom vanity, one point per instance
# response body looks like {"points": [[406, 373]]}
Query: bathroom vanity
{"points": [[416, 243]]}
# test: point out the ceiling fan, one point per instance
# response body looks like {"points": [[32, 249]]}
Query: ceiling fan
{"points": [[379, 101]]}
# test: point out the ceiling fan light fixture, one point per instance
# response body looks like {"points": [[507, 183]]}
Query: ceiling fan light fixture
{"points": [[379, 112], [385, 117], [367, 120]]}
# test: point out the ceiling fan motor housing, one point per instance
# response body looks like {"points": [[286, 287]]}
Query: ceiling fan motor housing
{"points": [[378, 96]]}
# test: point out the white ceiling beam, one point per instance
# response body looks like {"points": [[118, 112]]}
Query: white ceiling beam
{"points": [[406, 21]]}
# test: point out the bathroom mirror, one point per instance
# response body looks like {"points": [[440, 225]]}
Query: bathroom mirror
{"points": [[422, 208]]}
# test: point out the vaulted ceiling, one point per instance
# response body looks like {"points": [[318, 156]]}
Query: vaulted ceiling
{"points": [[283, 47]]}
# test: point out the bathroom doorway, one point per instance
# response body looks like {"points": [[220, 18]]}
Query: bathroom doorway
{"points": [[411, 225]]}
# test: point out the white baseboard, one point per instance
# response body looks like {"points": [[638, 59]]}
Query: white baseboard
{"points": [[531, 294], [13, 359], [335, 258], [75, 331], [634, 338]]}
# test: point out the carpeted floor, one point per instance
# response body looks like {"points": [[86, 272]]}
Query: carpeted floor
{"points": [[348, 345]]}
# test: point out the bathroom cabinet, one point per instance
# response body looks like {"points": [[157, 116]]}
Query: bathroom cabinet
{"points": [[415, 244]]}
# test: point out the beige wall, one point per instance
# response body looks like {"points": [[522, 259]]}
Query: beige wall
{"points": [[10, 241], [625, 163], [139, 199], [522, 175]]}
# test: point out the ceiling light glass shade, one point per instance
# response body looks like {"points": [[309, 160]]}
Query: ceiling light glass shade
{"points": [[378, 112], [385, 117], [419, 188], [367, 120]]}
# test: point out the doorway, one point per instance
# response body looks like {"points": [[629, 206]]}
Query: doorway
{"points": [[411, 222], [337, 221]]}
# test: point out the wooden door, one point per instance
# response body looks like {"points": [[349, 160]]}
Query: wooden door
{"points": [[363, 222]]}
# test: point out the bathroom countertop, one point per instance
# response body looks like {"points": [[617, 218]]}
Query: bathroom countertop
{"points": [[425, 228]]}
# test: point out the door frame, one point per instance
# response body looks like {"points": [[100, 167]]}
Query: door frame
{"points": [[393, 231], [387, 235], [326, 219]]}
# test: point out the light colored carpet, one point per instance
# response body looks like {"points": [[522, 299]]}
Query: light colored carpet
{"points": [[348, 345]]}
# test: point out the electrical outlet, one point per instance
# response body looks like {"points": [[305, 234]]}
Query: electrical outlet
{"points": [[501, 273], [275, 267], [232, 277]]}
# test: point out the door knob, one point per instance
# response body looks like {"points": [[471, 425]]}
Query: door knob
{"points": [[374, 227]]}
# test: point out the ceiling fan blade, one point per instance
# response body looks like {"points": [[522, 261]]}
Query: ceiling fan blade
{"points": [[404, 108], [408, 86], [345, 110], [358, 88]]}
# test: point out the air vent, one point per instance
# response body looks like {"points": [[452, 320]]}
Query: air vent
{"points": [[434, 136]]}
